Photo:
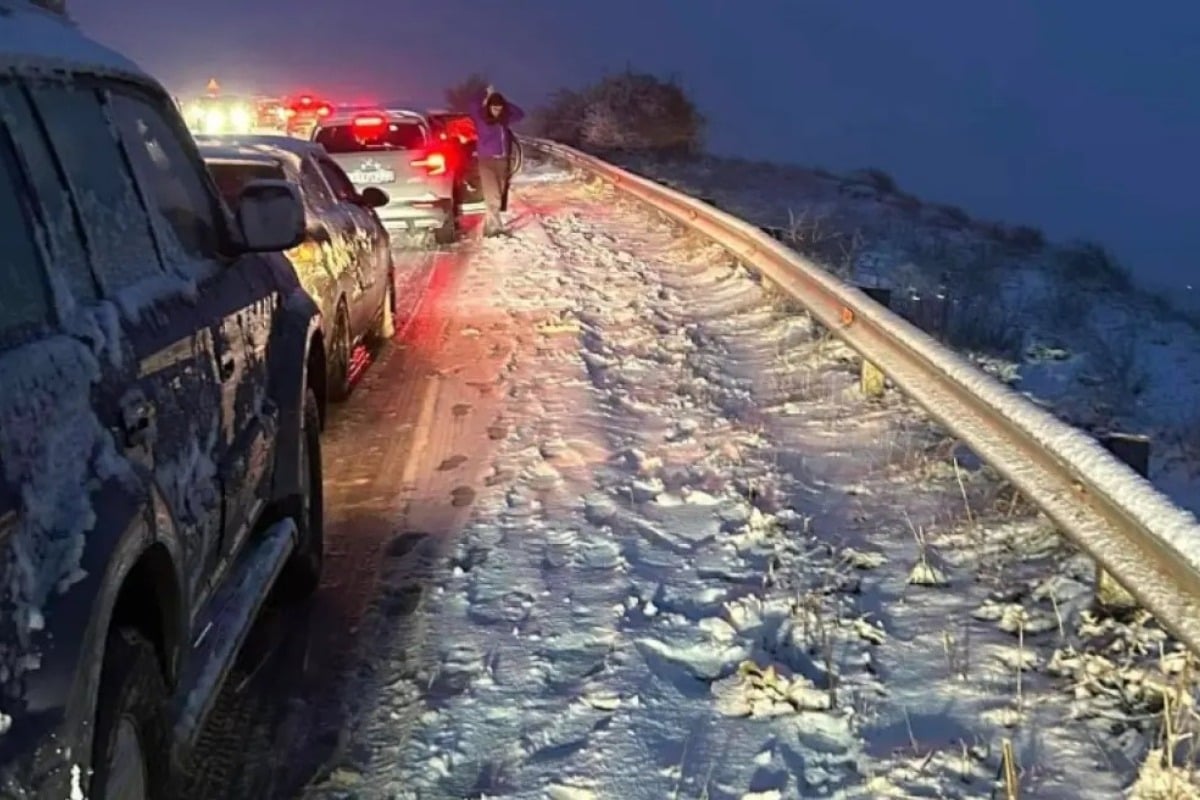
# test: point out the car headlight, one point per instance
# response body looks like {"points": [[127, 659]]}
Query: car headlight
{"points": [[241, 118], [214, 120], [194, 114]]}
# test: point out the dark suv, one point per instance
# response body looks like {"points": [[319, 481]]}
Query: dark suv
{"points": [[457, 131], [160, 402]]}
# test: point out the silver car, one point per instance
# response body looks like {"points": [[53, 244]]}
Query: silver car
{"points": [[396, 151], [345, 261]]}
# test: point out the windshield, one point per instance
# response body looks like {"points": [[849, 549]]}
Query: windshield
{"points": [[351, 139], [232, 177]]}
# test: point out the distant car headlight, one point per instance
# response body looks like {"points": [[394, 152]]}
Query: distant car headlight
{"points": [[194, 114], [214, 120], [240, 118]]}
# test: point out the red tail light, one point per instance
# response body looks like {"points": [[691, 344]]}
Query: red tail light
{"points": [[369, 126], [305, 100], [324, 110], [434, 163]]}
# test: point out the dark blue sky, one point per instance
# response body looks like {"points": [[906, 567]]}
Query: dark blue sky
{"points": [[1082, 116]]}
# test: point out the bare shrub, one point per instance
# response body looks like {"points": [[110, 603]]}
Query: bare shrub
{"points": [[463, 94], [955, 215], [1088, 262], [1114, 359], [1022, 238], [627, 112], [876, 178], [981, 316]]}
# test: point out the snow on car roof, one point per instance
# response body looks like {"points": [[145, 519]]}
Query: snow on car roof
{"points": [[241, 155], [286, 147], [35, 39]]}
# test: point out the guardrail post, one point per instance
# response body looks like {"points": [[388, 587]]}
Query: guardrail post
{"points": [[871, 379], [1134, 450]]}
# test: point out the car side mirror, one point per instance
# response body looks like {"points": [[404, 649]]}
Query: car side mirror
{"points": [[374, 197], [270, 216]]}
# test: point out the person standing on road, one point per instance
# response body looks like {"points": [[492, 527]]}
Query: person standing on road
{"points": [[493, 115]]}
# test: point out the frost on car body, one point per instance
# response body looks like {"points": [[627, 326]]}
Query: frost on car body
{"points": [[51, 447]]}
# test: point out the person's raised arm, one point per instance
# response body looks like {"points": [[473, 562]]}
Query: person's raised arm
{"points": [[475, 104]]}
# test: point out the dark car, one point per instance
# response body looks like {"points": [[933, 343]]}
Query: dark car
{"points": [[345, 260], [457, 131], [160, 403]]}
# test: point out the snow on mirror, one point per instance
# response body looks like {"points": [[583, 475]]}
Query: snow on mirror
{"points": [[270, 215]]}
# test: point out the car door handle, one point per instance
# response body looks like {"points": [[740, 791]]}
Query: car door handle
{"points": [[228, 366]]}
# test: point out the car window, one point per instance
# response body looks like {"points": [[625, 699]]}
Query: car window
{"points": [[114, 220], [370, 138], [341, 185], [62, 229], [173, 181], [22, 280], [314, 186], [232, 176]]}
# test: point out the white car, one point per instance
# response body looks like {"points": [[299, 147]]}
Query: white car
{"points": [[397, 151]]}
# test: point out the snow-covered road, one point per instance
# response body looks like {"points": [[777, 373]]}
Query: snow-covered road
{"points": [[657, 544]]}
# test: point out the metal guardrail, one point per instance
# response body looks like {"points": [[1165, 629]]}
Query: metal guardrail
{"points": [[1133, 531]]}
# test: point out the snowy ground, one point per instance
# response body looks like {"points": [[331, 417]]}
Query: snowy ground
{"points": [[701, 565], [1061, 323]]}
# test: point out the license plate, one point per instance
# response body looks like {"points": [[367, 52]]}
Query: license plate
{"points": [[375, 176]]}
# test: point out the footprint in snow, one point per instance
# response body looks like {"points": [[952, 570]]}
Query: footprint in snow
{"points": [[451, 463], [461, 409], [403, 544], [462, 496]]}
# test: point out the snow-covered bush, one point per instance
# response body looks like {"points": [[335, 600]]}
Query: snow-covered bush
{"points": [[631, 111]]}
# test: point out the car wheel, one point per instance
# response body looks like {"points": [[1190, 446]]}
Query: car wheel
{"points": [[339, 358], [302, 574], [131, 747], [456, 203], [385, 326], [448, 232]]}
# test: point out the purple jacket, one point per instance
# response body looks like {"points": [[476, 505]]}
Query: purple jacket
{"points": [[494, 135]]}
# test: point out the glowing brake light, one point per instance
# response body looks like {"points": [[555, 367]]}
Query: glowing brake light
{"points": [[324, 110], [369, 122], [434, 163], [305, 100]]}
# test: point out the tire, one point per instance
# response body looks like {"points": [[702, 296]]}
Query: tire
{"points": [[448, 232], [340, 350], [132, 703], [302, 574]]}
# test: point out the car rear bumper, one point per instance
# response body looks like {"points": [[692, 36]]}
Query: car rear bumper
{"points": [[420, 215]]}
